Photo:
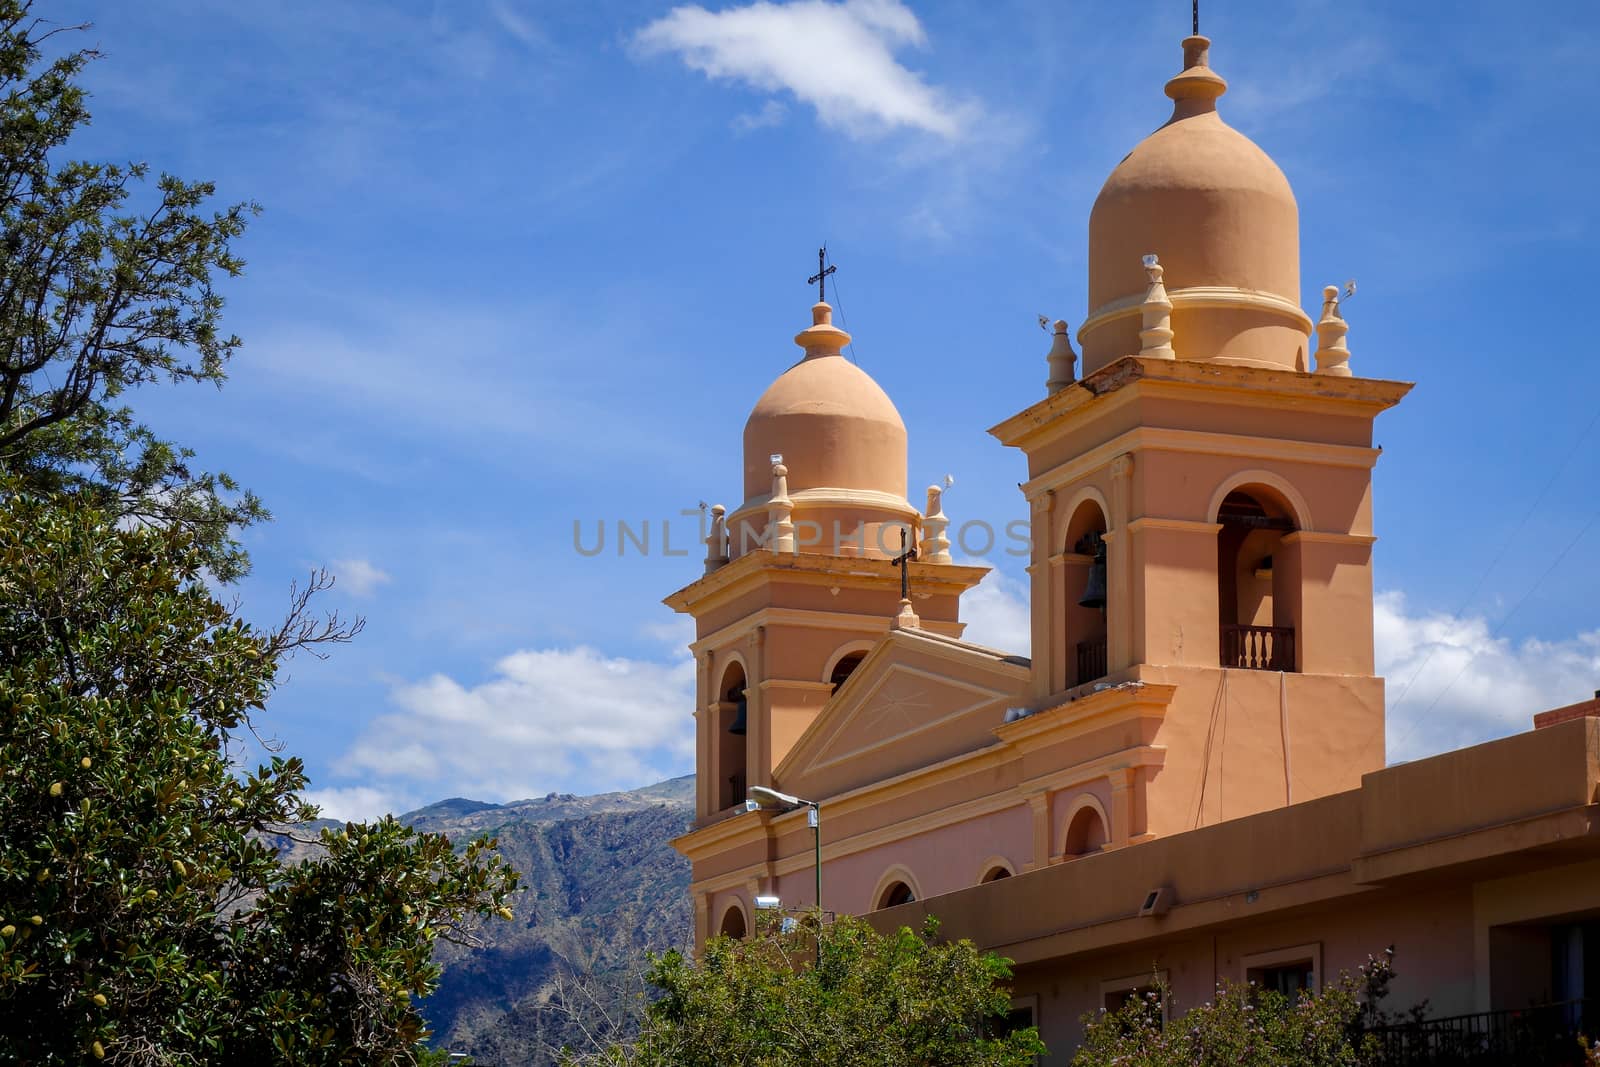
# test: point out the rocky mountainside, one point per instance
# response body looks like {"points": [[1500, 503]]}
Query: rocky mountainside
{"points": [[603, 889]]}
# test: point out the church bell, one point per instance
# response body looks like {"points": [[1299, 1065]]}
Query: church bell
{"points": [[1094, 590], [737, 727]]}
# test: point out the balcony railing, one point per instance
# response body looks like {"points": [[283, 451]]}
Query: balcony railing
{"points": [[1091, 660], [1258, 648], [1542, 1036]]}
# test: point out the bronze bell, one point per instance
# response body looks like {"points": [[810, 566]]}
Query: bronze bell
{"points": [[1094, 590], [737, 727]]}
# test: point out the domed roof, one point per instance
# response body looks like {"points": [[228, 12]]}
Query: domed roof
{"points": [[1220, 215], [835, 427]]}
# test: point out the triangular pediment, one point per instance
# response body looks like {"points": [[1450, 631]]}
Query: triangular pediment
{"points": [[917, 699]]}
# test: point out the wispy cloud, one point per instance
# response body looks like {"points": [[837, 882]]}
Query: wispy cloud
{"points": [[361, 577], [1453, 683], [357, 803], [996, 614], [772, 113], [568, 716], [836, 57]]}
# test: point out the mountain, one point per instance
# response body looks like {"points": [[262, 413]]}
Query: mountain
{"points": [[602, 889]]}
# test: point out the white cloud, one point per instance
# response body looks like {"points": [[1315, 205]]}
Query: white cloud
{"points": [[571, 718], [357, 803], [1469, 685], [516, 23], [996, 614], [359, 576], [837, 57]]}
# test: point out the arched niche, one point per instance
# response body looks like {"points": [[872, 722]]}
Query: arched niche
{"points": [[1087, 828], [845, 659], [995, 868], [1084, 626], [897, 886], [732, 726], [1256, 602], [733, 923]]}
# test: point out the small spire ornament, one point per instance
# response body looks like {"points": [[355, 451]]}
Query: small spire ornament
{"points": [[1156, 337], [1333, 358]]}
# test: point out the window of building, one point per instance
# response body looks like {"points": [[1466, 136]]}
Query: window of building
{"points": [[1116, 992], [994, 874], [1290, 971]]}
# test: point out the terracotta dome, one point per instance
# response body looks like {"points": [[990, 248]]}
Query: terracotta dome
{"points": [[835, 427], [1223, 221]]}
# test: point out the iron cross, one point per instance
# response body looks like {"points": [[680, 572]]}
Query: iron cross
{"points": [[820, 279], [1197, 18], [903, 561]]}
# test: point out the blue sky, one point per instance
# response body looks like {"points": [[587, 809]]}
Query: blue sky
{"points": [[526, 263]]}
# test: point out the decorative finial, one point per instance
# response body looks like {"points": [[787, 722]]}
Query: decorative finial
{"points": [[935, 545], [717, 539], [780, 510], [1333, 358], [1196, 89], [1062, 359], [1156, 337], [820, 279]]}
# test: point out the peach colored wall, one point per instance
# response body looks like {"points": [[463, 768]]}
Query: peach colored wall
{"points": [[941, 861]]}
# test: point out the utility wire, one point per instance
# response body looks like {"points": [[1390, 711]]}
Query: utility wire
{"points": [[1495, 563], [844, 322]]}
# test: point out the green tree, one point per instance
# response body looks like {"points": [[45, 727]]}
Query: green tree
{"points": [[903, 999], [1243, 1026], [106, 284], [145, 917]]}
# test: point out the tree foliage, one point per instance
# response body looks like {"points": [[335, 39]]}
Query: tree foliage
{"points": [[105, 285], [846, 995], [143, 916], [1244, 1026]]}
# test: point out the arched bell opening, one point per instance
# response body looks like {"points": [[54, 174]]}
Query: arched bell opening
{"points": [[844, 668], [1086, 585], [1255, 602], [733, 923], [894, 894], [1086, 833], [732, 726]]}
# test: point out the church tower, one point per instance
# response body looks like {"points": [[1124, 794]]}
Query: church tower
{"points": [[801, 578], [1202, 497]]}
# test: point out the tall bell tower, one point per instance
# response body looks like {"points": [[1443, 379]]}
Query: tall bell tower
{"points": [[1202, 497]]}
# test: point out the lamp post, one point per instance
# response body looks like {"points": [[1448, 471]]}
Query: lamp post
{"points": [[760, 798]]}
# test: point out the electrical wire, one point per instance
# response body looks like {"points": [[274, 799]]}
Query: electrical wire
{"points": [[843, 322]]}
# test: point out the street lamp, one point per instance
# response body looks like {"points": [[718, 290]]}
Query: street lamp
{"points": [[760, 798]]}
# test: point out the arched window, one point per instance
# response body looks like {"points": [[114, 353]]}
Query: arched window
{"points": [[732, 725], [1086, 586], [1085, 833], [1256, 631], [895, 894], [844, 668], [994, 874], [733, 924]]}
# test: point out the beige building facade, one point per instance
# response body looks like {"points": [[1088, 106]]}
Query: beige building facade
{"points": [[1188, 775]]}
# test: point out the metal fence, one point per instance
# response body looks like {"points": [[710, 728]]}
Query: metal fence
{"points": [[1542, 1036]]}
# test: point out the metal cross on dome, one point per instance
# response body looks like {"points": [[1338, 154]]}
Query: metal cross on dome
{"points": [[820, 279]]}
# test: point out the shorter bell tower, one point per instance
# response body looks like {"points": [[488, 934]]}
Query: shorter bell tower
{"points": [[801, 578]]}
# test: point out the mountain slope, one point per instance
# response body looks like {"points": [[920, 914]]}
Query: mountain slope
{"points": [[603, 889]]}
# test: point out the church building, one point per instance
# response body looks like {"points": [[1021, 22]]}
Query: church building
{"points": [[1187, 779]]}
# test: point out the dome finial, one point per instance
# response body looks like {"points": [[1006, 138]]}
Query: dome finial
{"points": [[1197, 88]]}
